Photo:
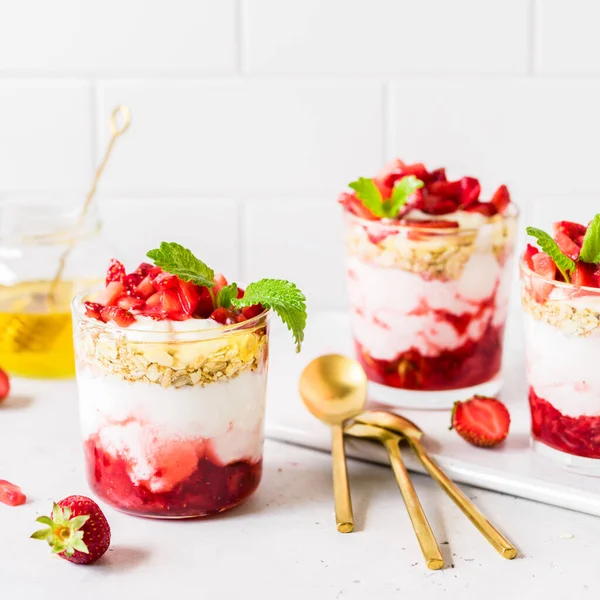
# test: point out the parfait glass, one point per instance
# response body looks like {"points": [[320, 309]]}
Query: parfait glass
{"points": [[172, 418], [428, 306], [562, 336]]}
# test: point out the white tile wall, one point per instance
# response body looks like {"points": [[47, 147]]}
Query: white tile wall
{"points": [[250, 115]]}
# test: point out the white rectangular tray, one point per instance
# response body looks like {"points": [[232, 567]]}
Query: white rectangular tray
{"points": [[512, 468]]}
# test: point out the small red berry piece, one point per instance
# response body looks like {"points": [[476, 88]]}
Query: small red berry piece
{"points": [[252, 311], [528, 255], [205, 307], [166, 281], [92, 309], [189, 296], [501, 199], [448, 189], [567, 245], [11, 494], [575, 231], [544, 266], [116, 271], [240, 293], [220, 282], [131, 281], [111, 293], [145, 268], [487, 209], [4, 385], [223, 315], [122, 317], [77, 530], [352, 204], [438, 205], [585, 275], [481, 421], [469, 191], [145, 289], [437, 175], [130, 303]]}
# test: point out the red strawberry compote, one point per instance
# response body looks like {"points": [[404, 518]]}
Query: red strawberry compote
{"points": [[429, 288], [562, 333], [171, 401]]}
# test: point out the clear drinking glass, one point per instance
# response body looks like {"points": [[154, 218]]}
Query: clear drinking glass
{"points": [[172, 420], [36, 338], [428, 307], [562, 336]]}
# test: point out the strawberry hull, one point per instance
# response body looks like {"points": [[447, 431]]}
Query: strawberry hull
{"points": [[428, 306]]}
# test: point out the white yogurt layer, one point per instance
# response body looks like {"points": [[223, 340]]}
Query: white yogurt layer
{"points": [[562, 368], [145, 423], [393, 309]]}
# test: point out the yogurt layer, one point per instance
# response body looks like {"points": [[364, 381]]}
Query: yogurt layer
{"points": [[161, 433], [562, 368]]}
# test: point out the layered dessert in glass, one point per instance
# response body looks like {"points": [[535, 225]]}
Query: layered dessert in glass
{"points": [[561, 299], [429, 268], [171, 375]]}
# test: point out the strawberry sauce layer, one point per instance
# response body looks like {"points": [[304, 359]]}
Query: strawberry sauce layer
{"points": [[473, 363], [575, 435], [209, 489]]}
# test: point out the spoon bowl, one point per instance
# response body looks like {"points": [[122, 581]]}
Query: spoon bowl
{"points": [[391, 421]]}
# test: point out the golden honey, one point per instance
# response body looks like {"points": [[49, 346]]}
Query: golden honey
{"points": [[36, 335]]}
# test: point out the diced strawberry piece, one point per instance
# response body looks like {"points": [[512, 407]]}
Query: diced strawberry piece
{"points": [[438, 205], [481, 421], [11, 494], [116, 271], [111, 293], [240, 293], [166, 281], [145, 268], [92, 309], [145, 289], [170, 302], [130, 303], [154, 301], [253, 311], [436, 175], [431, 224], [528, 255], [189, 296], [448, 189], [220, 283], [416, 169], [384, 190], [574, 231], [469, 191], [205, 305], [352, 204], [484, 208], [4, 385], [122, 317], [397, 170], [415, 201], [223, 315], [567, 245], [544, 266], [585, 275], [131, 282], [501, 199]]}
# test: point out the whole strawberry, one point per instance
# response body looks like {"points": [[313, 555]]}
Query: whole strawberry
{"points": [[481, 420], [77, 530], [4, 385]]}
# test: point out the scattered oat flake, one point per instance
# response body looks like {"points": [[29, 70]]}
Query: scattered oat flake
{"points": [[11, 494]]}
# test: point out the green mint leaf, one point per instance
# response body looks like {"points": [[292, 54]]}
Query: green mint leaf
{"points": [[565, 265], [368, 193], [590, 250], [180, 261], [226, 295], [284, 298], [402, 191]]}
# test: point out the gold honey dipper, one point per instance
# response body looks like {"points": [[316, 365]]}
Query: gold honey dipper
{"points": [[28, 332]]}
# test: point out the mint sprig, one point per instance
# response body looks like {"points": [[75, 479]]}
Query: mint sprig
{"points": [[284, 298], [180, 261], [368, 193], [565, 265], [280, 295], [590, 249], [226, 295]]}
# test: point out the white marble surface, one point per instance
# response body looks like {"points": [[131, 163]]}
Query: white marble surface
{"points": [[282, 543]]}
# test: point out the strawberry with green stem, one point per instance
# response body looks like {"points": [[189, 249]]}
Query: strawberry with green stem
{"points": [[77, 530]]}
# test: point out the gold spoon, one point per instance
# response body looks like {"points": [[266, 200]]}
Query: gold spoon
{"points": [[413, 435], [334, 389], [391, 441]]}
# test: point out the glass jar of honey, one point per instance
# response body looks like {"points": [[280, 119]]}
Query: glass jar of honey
{"points": [[35, 321]]}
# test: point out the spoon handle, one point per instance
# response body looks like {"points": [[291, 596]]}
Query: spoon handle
{"points": [[429, 547], [493, 536], [341, 489]]}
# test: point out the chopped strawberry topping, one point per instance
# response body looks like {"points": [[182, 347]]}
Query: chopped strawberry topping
{"points": [[585, 275], [252, 311], [223, 316], [145, 288], [116, 271], [189, 296], [166, 281], [469, 191], [111, 293], [131, 282], [122, 317], [449, 189], [130, 303], [92, 309], [528, 255], [543, 265], [501, 199], [574, 231], [11, 494], [567, 245], [220, 283], [483, 208]]}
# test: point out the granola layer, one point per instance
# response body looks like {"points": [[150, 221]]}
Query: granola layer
{"points": [[176, 364], [435, 256]]}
